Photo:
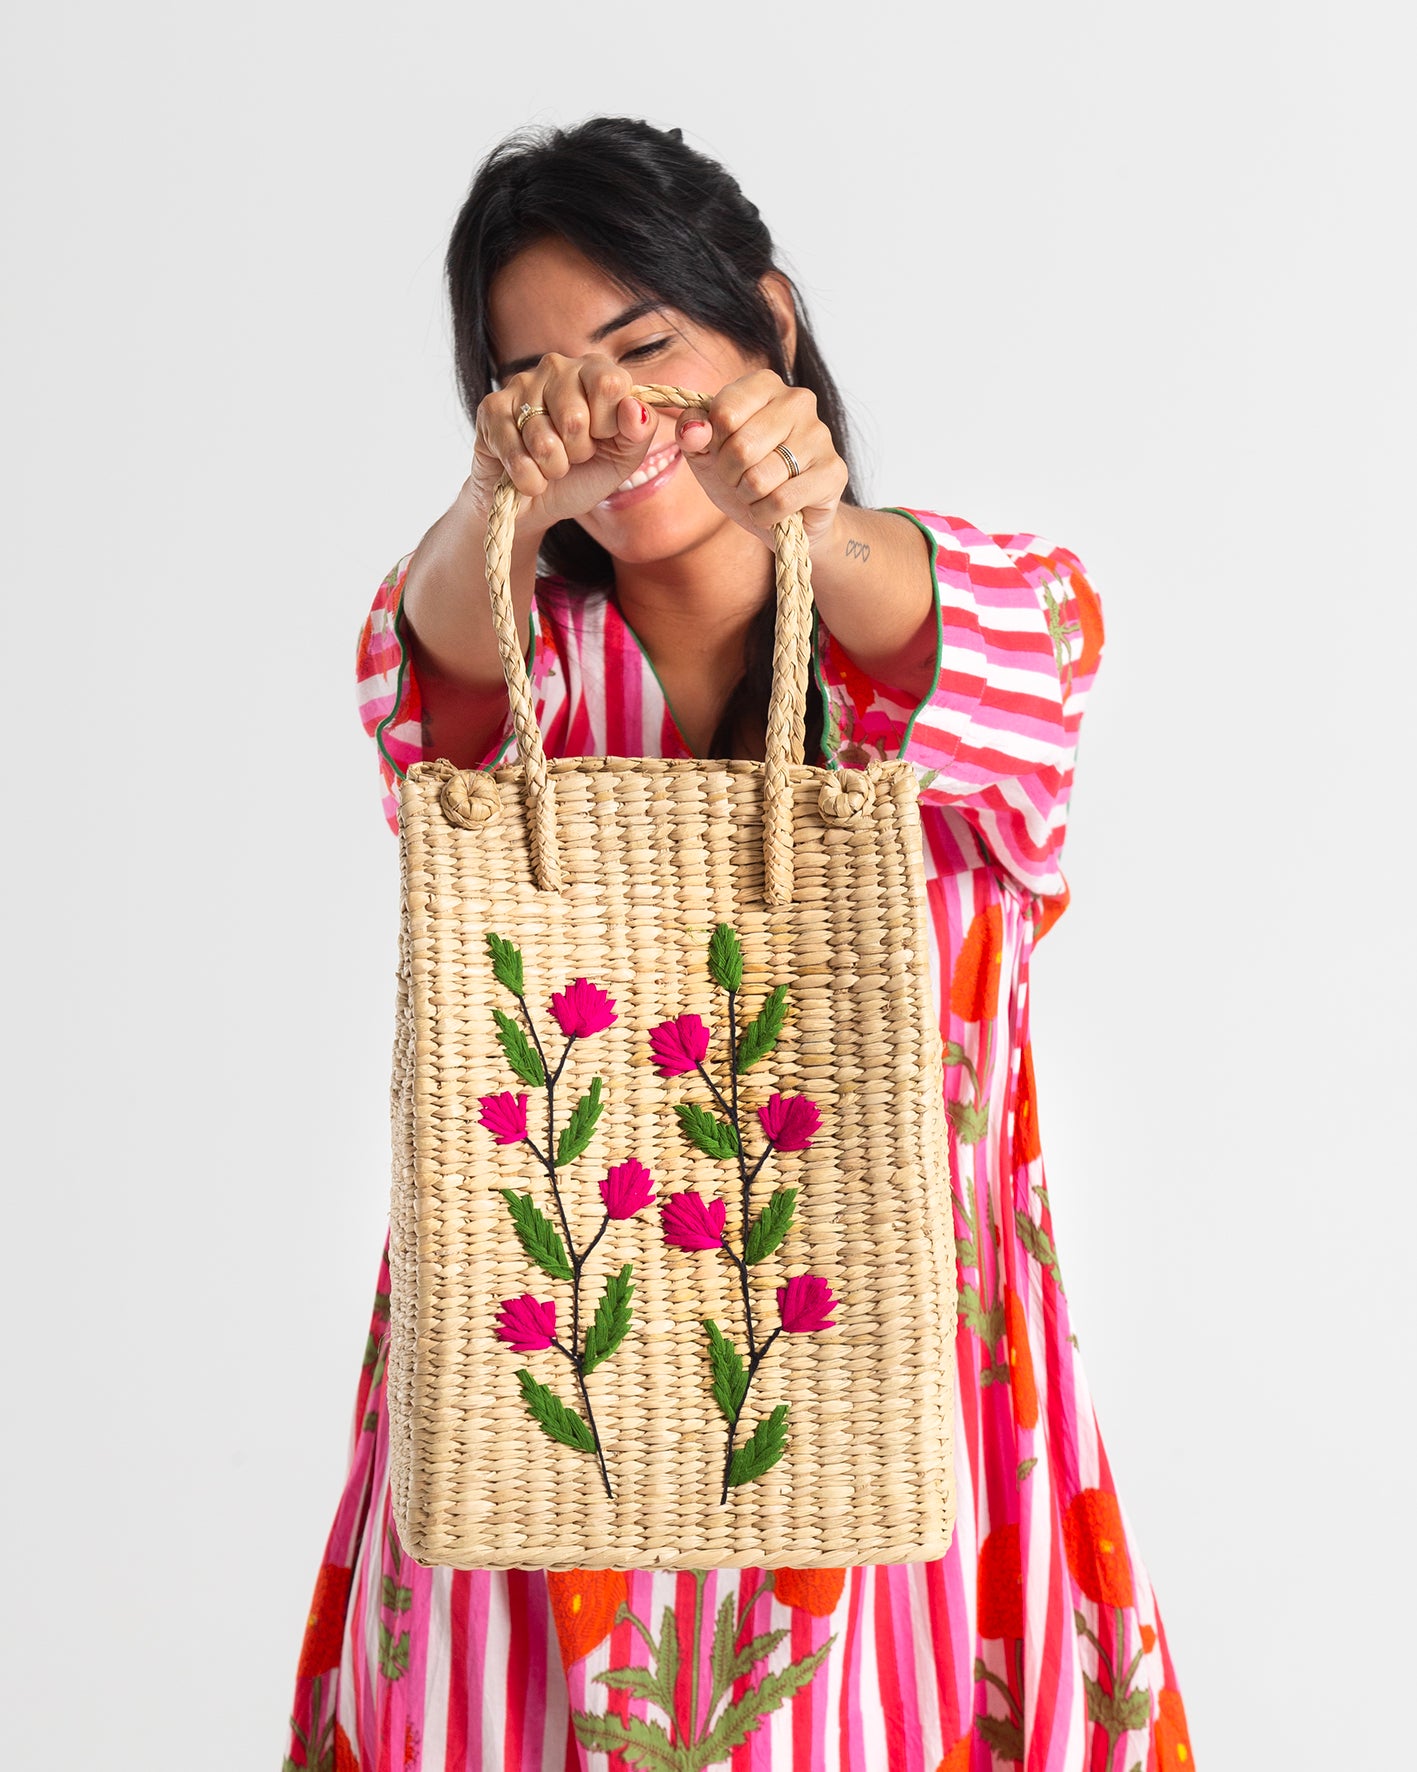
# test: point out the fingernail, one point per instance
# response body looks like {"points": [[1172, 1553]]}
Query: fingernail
{"points": [[696, 424], [644, 415]]}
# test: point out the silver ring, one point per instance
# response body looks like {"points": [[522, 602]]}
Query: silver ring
{"points": [[528, 411], [790, 459]]}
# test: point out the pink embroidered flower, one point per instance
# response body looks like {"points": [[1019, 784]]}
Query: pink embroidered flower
{"points": [[790, 1121], [692, 1222], [504, 1116], [805, 1304], [628, 1187], [528, 1323], [582, 1009], [678, 1045]]}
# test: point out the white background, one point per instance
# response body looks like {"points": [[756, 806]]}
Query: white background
{"points": [[1135, 280]]}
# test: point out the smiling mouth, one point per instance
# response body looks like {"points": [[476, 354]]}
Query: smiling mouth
{"points": [[651, 466]]}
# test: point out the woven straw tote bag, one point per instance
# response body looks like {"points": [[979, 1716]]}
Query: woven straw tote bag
{"points": [[671, 1243]]}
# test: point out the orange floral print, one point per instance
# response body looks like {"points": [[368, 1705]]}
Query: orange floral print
{"points": [[1171, 1736], [1000, 1584], [1097, 1547], [1089, 618], [324, 1630], [957, 1759], [1148, 1639], [1027, 1146], [1020, 1362], [583, 1605], [810, 1590], [974, 988], [345, 1760]]}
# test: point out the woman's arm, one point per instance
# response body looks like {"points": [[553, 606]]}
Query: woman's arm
{"points": [[872, 584]]}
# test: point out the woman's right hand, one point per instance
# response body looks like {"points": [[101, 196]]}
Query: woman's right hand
{"points": [[564, 460]]}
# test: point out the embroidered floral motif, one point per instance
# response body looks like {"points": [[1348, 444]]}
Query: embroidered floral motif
{"points": [[700, 1730], [691, 1222], [527, 1323]]}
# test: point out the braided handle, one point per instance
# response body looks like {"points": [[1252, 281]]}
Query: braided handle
{"points": [[787, 705]]}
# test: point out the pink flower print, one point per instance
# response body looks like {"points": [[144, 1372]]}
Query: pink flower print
{"points": [[678, 1045], [790, 1121], [691, 1222], [805, 1304], [504, 1116], [627, 1188], [527, 1323], [582, 1009]]}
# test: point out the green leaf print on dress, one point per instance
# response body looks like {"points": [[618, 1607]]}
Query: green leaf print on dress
{"points": [[696, 1735]]}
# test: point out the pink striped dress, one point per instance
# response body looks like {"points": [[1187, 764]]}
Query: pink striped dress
{"points": [[1037, 1640]]}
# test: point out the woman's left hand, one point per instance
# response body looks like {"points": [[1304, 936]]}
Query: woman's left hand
{"points": [[732, 451]]}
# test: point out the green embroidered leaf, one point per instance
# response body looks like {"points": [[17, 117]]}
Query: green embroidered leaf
{"points": [[394, 1597], [994, 1374], [553, 1417], [726, 959], [523, 1057], [715, 1138], [381, 1306], [965, 1252], [1131, 1710], [988, 1325], [612, 1320], [577, 1132], [371, 1421], [393, 1655], [739, 1720], [1038, 1244], [970, 1122], [761, 1033], [538, 1235], [730, 1378], [667, 1655], [506, 964], [1004, 1737], [1042, 1193], [761, 1450], [641, 1683], [955, 1053], [771, 1225], [756, 1649], [1026, 1468], [638, 1741]]}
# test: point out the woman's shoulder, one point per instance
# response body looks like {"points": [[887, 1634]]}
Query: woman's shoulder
{"points": [[963, 545]]}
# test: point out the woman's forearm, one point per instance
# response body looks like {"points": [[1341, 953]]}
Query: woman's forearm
{"points": [[872, 583]]}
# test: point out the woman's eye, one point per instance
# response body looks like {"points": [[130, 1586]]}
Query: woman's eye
{"points": [[647, 350]]}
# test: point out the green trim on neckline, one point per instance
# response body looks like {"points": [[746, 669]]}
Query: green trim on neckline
{"points": [[929, 696]]}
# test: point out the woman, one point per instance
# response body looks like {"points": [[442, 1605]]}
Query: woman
{"points": [[584, 262]]}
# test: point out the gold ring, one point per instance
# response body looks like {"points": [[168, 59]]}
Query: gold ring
{"points": [[790, 459], [528, 412]]}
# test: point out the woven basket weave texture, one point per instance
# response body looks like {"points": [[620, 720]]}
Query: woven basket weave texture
{"points": [[650, 856]]}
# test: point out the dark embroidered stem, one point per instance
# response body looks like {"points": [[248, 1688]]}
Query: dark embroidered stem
{"points": [[579, 1261], [594, 1430], [729, 1113], [753, 1364], [576, 1357]]}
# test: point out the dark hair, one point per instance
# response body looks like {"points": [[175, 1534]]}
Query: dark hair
{"points": [[670, 225]]}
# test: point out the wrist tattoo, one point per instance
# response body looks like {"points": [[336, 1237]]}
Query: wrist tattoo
{"points": [[858, 550]]}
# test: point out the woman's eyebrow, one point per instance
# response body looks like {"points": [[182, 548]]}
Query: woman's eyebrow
{"points": [[628, 318]]}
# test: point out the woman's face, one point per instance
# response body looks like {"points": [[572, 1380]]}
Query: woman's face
{"points": [[550, 297]]}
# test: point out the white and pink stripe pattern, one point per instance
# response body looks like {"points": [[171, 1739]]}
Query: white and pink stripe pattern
{"points": [[1036, 1641]]}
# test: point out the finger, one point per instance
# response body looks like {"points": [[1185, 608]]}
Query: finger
{"points": [[814, 488], [499, 436], [604, 385], [568, 413], [735, 405], [694, 435], [748, 460]]}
